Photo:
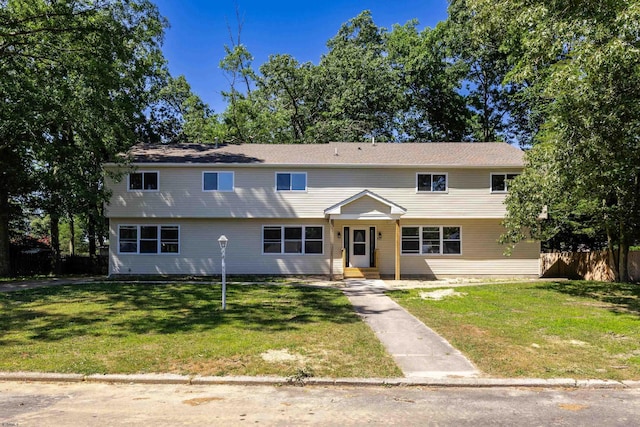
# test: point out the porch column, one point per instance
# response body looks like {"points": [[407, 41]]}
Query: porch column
{"points": [[397, 277], [331, 232]]}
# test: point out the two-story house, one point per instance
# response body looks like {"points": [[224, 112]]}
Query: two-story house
{"points": [[339, 209]]}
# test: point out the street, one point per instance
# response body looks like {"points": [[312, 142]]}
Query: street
{"points": [[97, 404]]}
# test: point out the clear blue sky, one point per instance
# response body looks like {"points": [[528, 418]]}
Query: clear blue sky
{"points": [[194, 45]]}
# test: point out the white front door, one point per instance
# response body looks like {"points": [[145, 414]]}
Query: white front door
{"points": [[359, 256]]}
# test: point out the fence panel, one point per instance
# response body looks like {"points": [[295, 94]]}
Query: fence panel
{"points": [[585, 265]]}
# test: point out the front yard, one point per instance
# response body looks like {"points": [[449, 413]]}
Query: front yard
{"points": [[180, 328], [573, 329], [564, 329]]}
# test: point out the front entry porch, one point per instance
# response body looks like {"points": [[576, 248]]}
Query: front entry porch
{"points": [[359, 252], [357, 226]]}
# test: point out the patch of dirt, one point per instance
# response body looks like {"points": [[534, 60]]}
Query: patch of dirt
{"points": [[282, 355], [441, 294], [573, 407], [201, 400]]}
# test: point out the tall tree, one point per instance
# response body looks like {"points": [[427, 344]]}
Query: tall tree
{"points": [[584, 60], [85, 69], [475, 38], [431, 107], [362, 92], [177, 115]]}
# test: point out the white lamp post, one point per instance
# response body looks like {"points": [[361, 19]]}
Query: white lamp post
{"points": [[222, 240]]}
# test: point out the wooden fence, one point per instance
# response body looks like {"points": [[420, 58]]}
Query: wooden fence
{"points": [[585, 265]]}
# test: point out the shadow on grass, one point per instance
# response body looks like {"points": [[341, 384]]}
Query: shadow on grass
{"points": [[624, 296], [114, 309]]}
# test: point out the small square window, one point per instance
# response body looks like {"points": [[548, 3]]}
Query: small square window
{"points": [[217, 181], [289, 181], [500, 182], [431, 182], [146, 181]]}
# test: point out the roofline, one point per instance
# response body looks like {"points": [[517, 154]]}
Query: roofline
{"points": [[312, 218], [308, 165]]}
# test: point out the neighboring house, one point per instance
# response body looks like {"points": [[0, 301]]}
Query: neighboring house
{"points": [[410, 209]]}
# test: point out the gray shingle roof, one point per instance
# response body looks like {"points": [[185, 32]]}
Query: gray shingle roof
{"points": [[454, 154]]}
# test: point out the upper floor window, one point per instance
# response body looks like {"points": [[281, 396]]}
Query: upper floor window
{"points": [[217, 181], [149, 239], [500, 182], [145, 181], [291, 181], [432, 182], [431, 240]]}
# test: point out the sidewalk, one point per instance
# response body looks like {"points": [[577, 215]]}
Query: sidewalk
{"points": [[418, 350]]}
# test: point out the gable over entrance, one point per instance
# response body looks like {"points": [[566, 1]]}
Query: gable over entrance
{"points": [[365, 205]]}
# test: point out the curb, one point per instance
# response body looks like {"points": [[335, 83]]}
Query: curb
{"points": [[324, 382]]}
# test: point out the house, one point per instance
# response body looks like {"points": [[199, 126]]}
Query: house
{"points": [[338, 209]]}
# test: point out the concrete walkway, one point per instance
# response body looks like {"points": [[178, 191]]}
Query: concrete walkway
{"points": [[418, 350]]}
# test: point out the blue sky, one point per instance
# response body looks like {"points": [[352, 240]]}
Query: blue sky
{"points": [[194, 45]]}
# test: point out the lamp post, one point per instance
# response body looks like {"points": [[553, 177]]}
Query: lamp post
{"points": [[222, 240]]}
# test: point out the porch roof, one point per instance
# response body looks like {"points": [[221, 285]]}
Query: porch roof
{"points": [[389, 209]]}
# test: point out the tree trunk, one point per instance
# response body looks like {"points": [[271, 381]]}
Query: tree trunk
{"points": [[91, 232], [55, 242], [623, 267], [72, 229], [5, 253], [613, 256]]}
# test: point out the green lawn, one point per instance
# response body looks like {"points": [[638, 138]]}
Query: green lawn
{"points": [[180, 328], [574, 329]]}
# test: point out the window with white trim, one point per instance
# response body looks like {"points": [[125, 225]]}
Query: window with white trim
{"points": [[291, 181], [431, 240], [149, 239], [144, 181], [304, 240], [431, 183], [500, 182], [217, 181]]}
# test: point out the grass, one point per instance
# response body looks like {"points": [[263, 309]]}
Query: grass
{"points": [[574, 329], [180, 328]]}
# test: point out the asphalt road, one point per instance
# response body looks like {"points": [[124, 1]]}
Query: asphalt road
{"points": [[95, 404]]}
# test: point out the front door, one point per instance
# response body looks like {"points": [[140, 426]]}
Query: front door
{"points": [[359, 250]]}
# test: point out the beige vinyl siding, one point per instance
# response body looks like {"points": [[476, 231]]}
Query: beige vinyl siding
{"points": [[365, 205], [180, 194], [200, 252], [481, 254]]}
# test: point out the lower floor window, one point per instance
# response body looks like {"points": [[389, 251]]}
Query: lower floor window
{"points": [[431, 240], [292, 239], [149, 239]]}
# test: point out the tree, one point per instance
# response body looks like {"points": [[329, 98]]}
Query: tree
{"points": [[291, 93], [430, 107], [476, 35], [77, 83], [178, 115], [362, 91], [584, 61]]}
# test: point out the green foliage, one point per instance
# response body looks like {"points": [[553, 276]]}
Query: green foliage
{"points": [[430, 107], [76, 81], [178, 115], [371, 83], [583, 63]]}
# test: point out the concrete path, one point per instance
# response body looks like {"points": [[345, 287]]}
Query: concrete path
{"points": [[418, 350]]}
